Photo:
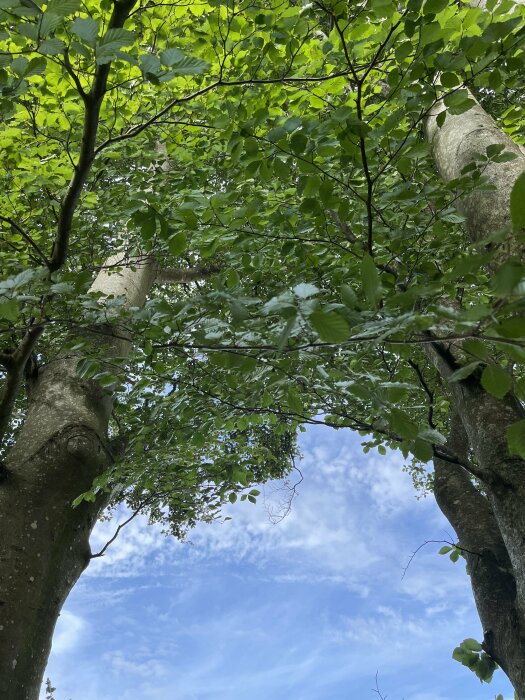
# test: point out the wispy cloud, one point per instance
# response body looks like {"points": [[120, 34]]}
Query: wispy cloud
{"points": [[69, 632], [309, 608]]}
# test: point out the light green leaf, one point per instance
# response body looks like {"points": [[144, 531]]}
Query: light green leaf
{"points": [[464, 372], [433, 436], [471, 645]]}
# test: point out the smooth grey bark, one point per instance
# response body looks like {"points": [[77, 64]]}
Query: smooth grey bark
{"points": [[491, 524], [61, 448]]}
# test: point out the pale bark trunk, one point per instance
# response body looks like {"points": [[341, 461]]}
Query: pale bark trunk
{"points": [[44, 545], [491, 525]]}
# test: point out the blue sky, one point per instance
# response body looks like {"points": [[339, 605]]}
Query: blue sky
{"points": [[310, 608]]}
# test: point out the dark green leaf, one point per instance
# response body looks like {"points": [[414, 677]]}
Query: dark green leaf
{"points": [[86, 29], [516, 439], [330, 326], [371, 280], [181, 64], [178, 243], [517, 203], [496, 380]]}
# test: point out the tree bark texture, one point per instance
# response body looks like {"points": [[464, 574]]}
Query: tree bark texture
{"points": [[61, 448], [489, 522]]}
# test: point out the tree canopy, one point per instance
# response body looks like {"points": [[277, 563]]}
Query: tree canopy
{"points": [[269, 159]]}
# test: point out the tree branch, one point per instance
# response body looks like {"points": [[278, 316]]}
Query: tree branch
{"points": [[26, 238], [180, 275], [92, 106], [15, 375]]}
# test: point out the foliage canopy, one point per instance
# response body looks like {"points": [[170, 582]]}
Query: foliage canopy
{"points": [[276, 147]]}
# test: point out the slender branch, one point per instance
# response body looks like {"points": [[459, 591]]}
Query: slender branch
{"points": [[427, 390], [117, 531], [73, 75], [92, 106], [136, 130], [15, 375], [26, 238]]}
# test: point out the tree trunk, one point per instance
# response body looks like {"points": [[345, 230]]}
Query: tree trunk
{"points": [[61, 448], [490, 525]]}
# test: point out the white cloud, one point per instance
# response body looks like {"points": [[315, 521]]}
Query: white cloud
{"points": [[145, 667], [69, 632], [301, 609]]}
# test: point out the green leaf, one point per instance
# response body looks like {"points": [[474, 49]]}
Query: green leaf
{"points": [[464, 372], [117, 37], [36, 66], [476, 347], [87, 367], [178, 243], [330, 326], [512, 327], [445, 550], [63, 7], [52, 47], [298, 142], [496, 380], [9, 310], [19, 66], [286, 332], [108, 46], [449, 80], [181, 64], [434, 6], [86, 29], [494, 149], [507, 278], [516, 438], [348, 296], [471, 645], [49, 21], [402, 425], [517, 203], [433, 436], [371, 280]]}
